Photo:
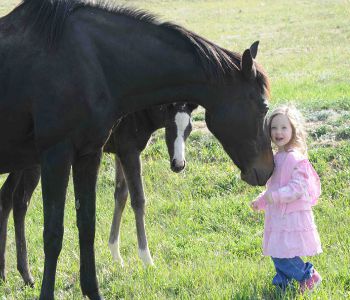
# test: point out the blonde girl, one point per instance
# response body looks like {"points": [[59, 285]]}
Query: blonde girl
{"points": [[292, 190]]}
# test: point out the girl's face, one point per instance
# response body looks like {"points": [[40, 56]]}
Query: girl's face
{"points": [[281, 131]]}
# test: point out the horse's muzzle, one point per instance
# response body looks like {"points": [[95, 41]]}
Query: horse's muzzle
{"points": [[255, 177]]}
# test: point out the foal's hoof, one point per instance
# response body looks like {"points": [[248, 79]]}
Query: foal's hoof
{"points": [[27, 278], [29, 282], [146, 257], [114, 248]]}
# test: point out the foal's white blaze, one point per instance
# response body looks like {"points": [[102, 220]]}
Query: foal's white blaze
{"points": [[114, 248], [146, 257], [181, 120]]}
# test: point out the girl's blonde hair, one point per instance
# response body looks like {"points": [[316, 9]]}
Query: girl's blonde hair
{"points": [[298, 140]]}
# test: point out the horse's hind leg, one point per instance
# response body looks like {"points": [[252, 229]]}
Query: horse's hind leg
{"points": [[6, 202], [132, 170], [85, 171], [120, 197], [21, 199]]}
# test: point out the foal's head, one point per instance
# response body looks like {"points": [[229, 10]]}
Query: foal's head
{"points": [[178, 128]]}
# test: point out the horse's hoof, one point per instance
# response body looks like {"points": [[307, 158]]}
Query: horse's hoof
{"points": [[49, 296], [94, 296], [2, 276]]}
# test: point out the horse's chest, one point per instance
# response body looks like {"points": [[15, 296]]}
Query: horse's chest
{"points": [[16, 127]]}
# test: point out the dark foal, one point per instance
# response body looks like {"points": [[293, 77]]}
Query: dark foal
{"points": [[127, 141], [15, 194], [69, 70]]}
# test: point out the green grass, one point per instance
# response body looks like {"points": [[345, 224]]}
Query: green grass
{"points": [[205, 240]]}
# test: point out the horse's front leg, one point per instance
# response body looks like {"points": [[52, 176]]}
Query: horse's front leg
{"points": [[120, 197], [21, 200], [85, 171], [6, 202], [132, 170], [55, 168]]}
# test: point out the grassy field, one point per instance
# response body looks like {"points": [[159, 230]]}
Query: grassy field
{"points": [[205, 240]]}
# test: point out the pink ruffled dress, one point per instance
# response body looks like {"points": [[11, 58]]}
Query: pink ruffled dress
{"points": [[290, 229]]}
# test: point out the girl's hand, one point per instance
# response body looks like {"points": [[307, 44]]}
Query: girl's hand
{"points": [[268, 197], [254, 205]]}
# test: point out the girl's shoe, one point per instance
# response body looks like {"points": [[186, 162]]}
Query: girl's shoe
{"points": [[311, 283]]}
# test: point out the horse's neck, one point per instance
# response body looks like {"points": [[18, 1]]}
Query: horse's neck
{"points": [[164, 91], [142, 66], [201, 94]]}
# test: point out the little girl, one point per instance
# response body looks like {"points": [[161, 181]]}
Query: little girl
{"points": [[292, 190]]}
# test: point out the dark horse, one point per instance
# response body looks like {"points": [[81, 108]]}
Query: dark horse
{"points": [[69, 71], [127, 141]]}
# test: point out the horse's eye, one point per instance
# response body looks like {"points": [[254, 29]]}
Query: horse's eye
{"points": [[264, 108]]}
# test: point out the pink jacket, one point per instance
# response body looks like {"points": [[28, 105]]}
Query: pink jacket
{"points": [[290, 190], [289, 229]]}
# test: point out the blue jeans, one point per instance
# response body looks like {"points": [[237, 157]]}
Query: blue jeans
{"points": [[290, 268]]}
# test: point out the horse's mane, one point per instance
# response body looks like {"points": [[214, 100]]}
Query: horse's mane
{"points": [[47, 17]]}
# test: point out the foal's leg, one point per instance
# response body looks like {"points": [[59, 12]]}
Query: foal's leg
{"points": [[55, 169], [120, 197], [6, 202], [21, 199], [132, 169], [85, 171]]}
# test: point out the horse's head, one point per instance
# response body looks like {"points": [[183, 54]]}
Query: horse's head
{"points": [[239, 120], [177, 129]]}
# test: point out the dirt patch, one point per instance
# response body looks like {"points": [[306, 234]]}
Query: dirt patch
{"points": [[327, 127], [200, 126]]}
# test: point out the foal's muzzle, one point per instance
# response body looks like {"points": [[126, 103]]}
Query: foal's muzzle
{"points": [[177, 166]]}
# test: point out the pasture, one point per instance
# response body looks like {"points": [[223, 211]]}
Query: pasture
{"points": [[205, 240]]}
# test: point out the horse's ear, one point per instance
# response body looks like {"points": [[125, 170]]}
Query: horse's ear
{"points": [[254, 49], [247, 65]]}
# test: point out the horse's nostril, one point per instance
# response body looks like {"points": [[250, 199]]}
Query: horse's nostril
{"points": [[177, 166]]}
